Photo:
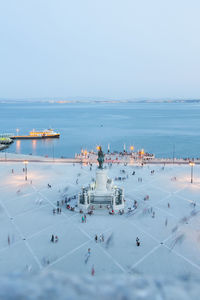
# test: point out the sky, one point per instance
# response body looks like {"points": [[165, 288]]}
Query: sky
{"points": [[100, 48]]}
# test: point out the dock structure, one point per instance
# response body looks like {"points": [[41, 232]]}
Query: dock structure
{"points": [[12, 157], [2, 147], [6, 135]]}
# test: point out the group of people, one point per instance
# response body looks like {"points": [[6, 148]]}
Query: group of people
{"points": [[54, 238], [57, 210], [83, 219], [100, 239], [120, 178]]}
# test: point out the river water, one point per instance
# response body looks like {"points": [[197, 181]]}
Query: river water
{"points": [[159, 128]]}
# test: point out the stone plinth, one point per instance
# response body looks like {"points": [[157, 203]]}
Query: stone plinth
{"points": [[101, 182], [101, 194]]}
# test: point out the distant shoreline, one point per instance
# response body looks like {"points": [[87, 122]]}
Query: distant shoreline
{"points": [[93, 101]]}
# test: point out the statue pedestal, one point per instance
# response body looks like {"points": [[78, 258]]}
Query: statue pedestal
{"points": [[101, 194], [101, 181]]}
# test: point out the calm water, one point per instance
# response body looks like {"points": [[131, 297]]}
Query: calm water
{"points": [[154, 127]]}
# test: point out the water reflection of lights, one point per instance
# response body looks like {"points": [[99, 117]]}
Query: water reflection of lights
{"points": [[34, 144], [47, 141], [18, 146]]}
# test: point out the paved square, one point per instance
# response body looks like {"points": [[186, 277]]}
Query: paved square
{"points": [[168, 224]]}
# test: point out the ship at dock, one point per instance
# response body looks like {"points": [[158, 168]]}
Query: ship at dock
{"points": [[45, 134]]}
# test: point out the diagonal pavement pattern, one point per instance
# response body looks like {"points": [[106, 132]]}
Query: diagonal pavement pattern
{"points": [[167, 224]]}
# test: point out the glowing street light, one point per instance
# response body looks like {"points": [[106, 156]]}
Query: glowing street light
{"points": [[131, 148], [191, 163], [142, 152], [25, 169], [98, 148]]}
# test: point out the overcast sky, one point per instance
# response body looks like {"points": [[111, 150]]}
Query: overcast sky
{"points": [[102, 48]]}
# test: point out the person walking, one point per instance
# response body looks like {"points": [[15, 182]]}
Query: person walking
{"points": [[52, 238], [102, 237], [96, 238], [87, 255], [8, 240], [137, 241]]}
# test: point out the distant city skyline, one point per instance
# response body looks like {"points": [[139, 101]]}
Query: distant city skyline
{"points": [[100, 49]]}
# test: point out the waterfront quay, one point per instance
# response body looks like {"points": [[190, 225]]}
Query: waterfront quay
{"points": [[92, 159]]}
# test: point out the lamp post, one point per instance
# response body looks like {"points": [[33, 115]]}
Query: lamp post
{"points": [[124, 148], [191, 163], [131, 148], [108, 148], [173, 152], [53, 150], [25, 169]]}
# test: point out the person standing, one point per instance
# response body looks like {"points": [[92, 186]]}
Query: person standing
{"points": [[8, 240], [92, 271], [102, 237]]}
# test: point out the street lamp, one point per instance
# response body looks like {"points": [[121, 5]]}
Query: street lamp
{"points": [[53, 151], [108, 148], [191, 163], [131, 148], [124, 148], [25, 169], [142, 152]]}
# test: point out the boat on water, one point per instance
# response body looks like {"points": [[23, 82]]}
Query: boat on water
{"points": [[5, 140], [45, 134]]}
